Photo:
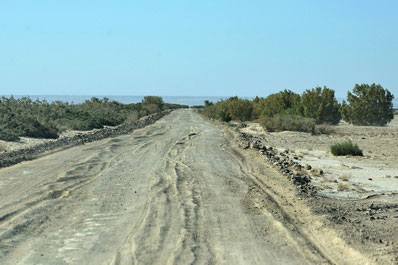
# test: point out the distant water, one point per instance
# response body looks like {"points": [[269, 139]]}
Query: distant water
{"points": [[190, 101]]}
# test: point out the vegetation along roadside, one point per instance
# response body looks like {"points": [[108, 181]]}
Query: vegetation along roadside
{"points": [[41, 119], [310, 111]]}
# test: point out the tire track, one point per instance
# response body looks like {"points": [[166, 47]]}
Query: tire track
{"points": [[172, 214], [177, 192], [27, 213], [262, 199]]}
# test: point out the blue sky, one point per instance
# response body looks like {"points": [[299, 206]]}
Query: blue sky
{"points": [[196, 48]]}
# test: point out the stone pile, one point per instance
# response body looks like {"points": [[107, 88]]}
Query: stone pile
{"points": [[284, 162], [14, 157]]}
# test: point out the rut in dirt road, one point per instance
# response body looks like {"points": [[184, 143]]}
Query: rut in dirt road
{"points": [[176, 192]]}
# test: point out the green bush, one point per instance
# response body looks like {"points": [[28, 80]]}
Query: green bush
{"points": [[284, 102], [153, 100], [279, 123], [224, 115], [240, 109], [320, 104], [8, 135], [346, 148], [211, 110], [30, 127], [368, 105], [233, 108], [208, 103]]}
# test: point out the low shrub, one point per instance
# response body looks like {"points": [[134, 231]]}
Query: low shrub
{"points": [[8, 135], [197, 107], [233, 108], [31, 127], [153, 100], [346, 148], [279, 123], [224, 115], [240, 109]]}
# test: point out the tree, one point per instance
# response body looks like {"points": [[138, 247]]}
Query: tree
{"points": [[208, 103], [240, 109], [284, 102], [320, 104], [368, 105], [153, 100]]}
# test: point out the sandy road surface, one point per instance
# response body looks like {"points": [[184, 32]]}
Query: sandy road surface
{"points": [[176, 192]]}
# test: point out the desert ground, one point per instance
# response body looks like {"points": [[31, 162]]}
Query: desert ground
{"points": [[182, 191], [357, 194]]}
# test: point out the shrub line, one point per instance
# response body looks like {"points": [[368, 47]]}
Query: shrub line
{"points": [[17, 156]]}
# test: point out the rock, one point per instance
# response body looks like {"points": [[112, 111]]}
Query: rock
{"points": [[317, 172], [256, 145], [300, 180], [297, 167], [282, 162]]}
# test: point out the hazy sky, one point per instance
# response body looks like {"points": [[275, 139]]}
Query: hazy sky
{"points": [[210, 48]]}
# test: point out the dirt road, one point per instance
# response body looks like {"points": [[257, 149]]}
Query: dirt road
{"points": [[177, 192]]}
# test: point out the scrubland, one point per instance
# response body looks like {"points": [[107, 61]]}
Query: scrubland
{"points": [[40, 119]]}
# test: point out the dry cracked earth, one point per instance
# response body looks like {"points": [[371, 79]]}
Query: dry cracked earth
{"points": [[180, 191]]}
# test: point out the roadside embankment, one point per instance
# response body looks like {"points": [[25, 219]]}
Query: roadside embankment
{"points": [[9, 158], [357, 196], [283, 162]]}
